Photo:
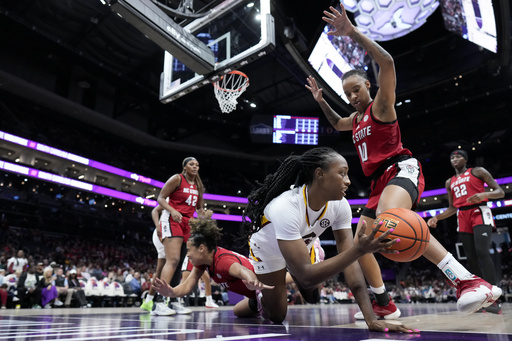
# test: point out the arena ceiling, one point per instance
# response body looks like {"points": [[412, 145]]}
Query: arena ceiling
{"points": [[82, 53]]}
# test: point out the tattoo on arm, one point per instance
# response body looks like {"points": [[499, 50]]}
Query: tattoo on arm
{"points": [[331, 115], [365, 43]]}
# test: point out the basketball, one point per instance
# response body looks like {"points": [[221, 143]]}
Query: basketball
{"points": [[410, 228]]}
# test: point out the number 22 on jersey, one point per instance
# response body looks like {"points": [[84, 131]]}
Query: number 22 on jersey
{"points": [[460, 190]]}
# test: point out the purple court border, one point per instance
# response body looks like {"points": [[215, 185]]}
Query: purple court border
{"points": [[104, 167], [34, 173], [31, 172]]}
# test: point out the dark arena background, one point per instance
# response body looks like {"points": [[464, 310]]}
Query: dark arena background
{"points": [[100, 102]]}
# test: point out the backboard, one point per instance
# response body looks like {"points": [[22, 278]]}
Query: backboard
{"points": [[237, 31]]}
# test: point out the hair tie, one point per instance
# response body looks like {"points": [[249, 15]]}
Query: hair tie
{"points": [[187, 160]]}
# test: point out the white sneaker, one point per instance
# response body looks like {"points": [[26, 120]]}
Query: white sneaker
{"points": [[180, 309], [475, 293], [393, 316], [211, 304], [162, 310], [261, 311], [48, 306], [58, 303]]}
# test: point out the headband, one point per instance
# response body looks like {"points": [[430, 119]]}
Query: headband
{"points": [[460, 152], [187, 160]]}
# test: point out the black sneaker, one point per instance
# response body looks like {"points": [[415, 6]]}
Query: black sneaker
{"points": [[494, 308]]}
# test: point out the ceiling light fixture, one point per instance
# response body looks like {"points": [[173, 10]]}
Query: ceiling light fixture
{"points": [[384, 20]]}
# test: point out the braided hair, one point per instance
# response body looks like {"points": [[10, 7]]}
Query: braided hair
{"points": [[206, 232], [295, 170], [355, 72]]}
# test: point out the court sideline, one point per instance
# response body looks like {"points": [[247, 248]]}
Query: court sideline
{"points": [[309, 322]]}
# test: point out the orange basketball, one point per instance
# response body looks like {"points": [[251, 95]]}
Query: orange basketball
{"points": [[410, 228]]}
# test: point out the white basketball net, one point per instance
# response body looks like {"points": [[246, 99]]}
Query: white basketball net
{"points": [[229, 88]]}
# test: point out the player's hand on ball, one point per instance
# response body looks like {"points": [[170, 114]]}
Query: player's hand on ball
{"points": [[370, 244]]}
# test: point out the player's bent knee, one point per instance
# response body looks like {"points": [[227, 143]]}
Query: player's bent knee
{"points": [[311, 296]]}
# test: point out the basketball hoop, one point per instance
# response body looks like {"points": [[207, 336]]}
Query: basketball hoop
{"points": [[228, 88]]}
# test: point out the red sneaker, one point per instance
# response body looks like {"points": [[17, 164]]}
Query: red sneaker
{"points": [[389, 312], [475, 293]]}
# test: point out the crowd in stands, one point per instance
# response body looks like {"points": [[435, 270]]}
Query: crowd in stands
{"points": [[52, 269]]}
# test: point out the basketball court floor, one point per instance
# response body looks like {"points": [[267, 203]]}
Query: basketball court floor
{"points": [[309, 322]]}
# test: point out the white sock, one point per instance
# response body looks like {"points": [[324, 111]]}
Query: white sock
{"points": [[453, 269], [209, 298], [149, 298], [379, 290]]}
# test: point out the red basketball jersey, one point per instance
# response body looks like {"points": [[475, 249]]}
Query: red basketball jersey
{"points": [[219, 271], [464, 186], [376, 141], [184, 198]]}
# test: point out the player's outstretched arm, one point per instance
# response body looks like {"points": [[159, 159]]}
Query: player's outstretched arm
{"points": [[308, 275], [248, 277], [339, 123], [385, 99], [180, 290]]}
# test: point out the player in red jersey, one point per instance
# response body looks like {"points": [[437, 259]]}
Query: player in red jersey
{"points": [[467, 198], [180, 197], [185, 272], [397, 179], [229, 269]]}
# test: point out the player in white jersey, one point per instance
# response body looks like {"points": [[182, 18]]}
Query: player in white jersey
{"points": [[288, 211], [284, 224]]}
